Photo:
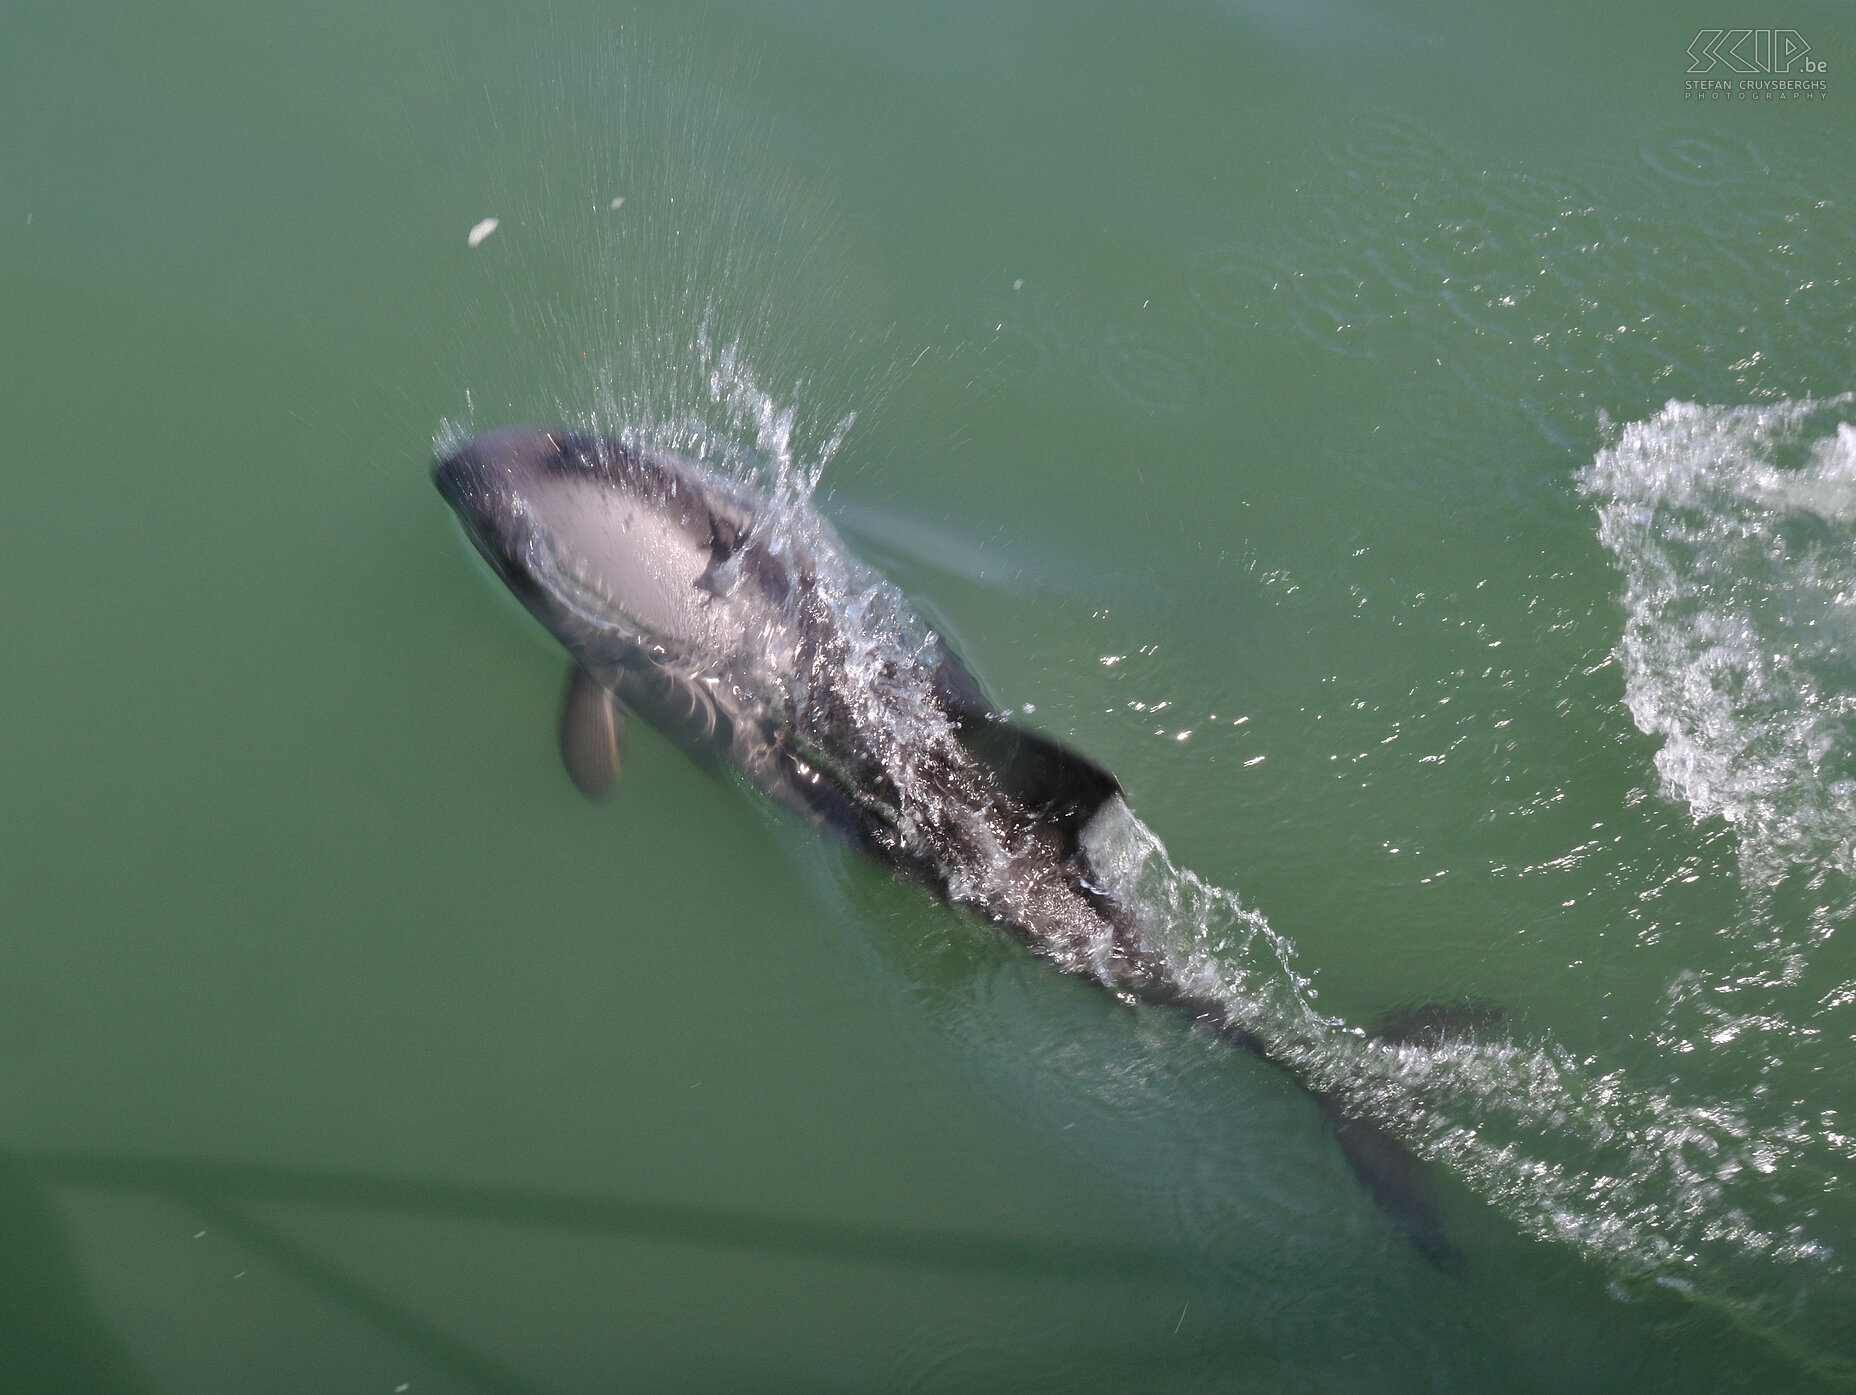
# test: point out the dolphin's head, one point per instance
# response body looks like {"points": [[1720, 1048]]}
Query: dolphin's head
{"points": [[591, 532]]}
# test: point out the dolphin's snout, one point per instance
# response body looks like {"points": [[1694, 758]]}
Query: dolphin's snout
{"points": [[444, 476], [460, 480], [474, 488], [485, 485], [491, 470], [452, 475]]}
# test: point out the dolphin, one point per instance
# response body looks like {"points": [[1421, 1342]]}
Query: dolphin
{"points": [[682, 597]]}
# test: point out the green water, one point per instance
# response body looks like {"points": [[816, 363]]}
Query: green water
{"points": [[1227, 383]]}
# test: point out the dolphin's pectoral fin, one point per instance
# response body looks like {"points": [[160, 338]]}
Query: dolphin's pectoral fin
{"points": [[592, 734]]}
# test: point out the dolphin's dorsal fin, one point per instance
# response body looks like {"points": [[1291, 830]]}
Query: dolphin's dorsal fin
{"points": [[1048, 778], [592, 733]]}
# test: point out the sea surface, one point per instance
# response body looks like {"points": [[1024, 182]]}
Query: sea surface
{"points": [[1413, 445]]}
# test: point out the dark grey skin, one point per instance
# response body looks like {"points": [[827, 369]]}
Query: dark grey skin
{"points": [[663, 582]]}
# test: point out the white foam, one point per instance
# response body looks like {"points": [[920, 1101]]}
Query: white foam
{"points": [[1735, 528]]}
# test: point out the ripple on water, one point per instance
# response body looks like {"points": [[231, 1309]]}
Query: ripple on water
{"points": [[1575, 243], [1236, 288], [1702, 159], [1475, 247], [1347, 303], [1347, 306], [1815, 245], [1162, 362], [1066, 1055], [1732, 279], [1367, 145], [1494, 371], [1526, 306], [1439, 410], [1018, 339], [1333, 213], [1470, 410], [1210, 1149], [1806, 149], [1654, 314], [1639, 372], [955, 1361], [1460, 477]]}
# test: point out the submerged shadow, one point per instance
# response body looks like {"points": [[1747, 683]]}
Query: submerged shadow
{"points": [[215, 1185], [53, 1341], [50, 1333]]}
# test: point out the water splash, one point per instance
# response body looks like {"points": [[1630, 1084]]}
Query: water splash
{"points": [[1735, 528], [1650, 1184], [1657, 1184], [652, 247]]}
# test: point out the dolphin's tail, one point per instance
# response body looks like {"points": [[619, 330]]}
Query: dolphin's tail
{"points": [[1397, 1179], [1402, 1183]]}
